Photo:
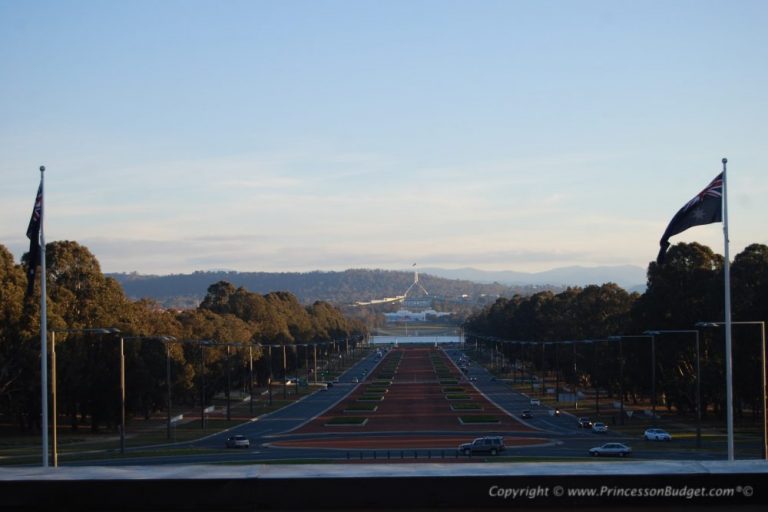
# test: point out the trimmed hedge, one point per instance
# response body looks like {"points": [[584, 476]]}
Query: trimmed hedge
{"points": [[479, 419], [472, 406], [354, 421]]}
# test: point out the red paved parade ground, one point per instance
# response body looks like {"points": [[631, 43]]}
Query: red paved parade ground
{"points": [[421, 386]]}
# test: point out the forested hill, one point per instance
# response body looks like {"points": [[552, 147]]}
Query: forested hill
{"points": [[187, 290]]}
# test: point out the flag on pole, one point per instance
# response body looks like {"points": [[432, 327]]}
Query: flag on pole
{"points": [[705, 208], [33, 233]]}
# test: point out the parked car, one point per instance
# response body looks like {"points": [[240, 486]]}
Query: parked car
{"points": [[526, 414], [611, 449], [585, 422], [487, 444], [656, 434], [599, 427], [238, 441], [535, 401]]}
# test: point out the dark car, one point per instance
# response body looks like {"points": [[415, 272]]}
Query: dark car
{"points": [[585, 423], [526, 414], [488, 444]]}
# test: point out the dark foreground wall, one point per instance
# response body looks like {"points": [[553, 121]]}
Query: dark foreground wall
{"points": [[608, 486]]}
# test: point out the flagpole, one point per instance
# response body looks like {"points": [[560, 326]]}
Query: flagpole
{"points": [[43, 326], [728, 321]]}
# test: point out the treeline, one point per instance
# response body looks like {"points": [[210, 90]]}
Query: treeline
{"points": [[81, 298], [344, 287], [686, 290]]}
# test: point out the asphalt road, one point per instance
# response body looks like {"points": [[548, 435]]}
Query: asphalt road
{"points": [[561, 435]]}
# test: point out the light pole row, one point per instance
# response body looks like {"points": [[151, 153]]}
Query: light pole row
{"points": [[167, 340], [651, 335]]}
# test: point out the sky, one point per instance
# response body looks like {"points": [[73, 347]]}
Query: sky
{"points": [[291, 135]]}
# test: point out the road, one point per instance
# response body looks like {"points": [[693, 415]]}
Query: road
{"points": [[560, 436]]}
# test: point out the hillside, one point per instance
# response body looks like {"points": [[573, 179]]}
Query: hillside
{"points": [[349, 286]]}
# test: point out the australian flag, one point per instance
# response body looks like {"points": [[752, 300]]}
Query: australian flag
{"points": [[33, 233], [705, 208]]}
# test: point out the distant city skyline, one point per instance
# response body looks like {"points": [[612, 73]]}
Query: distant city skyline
{"points": [[294, 136]]}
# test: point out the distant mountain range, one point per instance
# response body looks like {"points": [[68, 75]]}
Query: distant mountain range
{"points": [[627, 276], [349, 286]]}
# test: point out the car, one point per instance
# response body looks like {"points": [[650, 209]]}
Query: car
{"points": [[585, 422], [355, 380], [599, 427], [611, 449], [238, 441], [656, 434], [526, 414], [535, 401], [487, 444]]}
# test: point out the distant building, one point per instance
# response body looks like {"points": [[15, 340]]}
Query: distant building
{"points": [[418, 302], [404, 315]]}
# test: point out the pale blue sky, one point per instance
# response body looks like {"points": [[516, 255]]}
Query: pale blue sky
{"points": [[300, 135]]}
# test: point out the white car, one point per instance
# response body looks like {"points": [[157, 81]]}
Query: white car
{"points": [[535, 401], [656, 434], [238, 441], [615, 449], [599, 427]]}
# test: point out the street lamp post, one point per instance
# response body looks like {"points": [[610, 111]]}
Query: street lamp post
{"points": [[54, 411], [285, 373], [763, 375], [168, 385], [695, 332], [653, 369], [250, 377], [269, 379], [543, 372], [167, 340], [203, 344], [649, 334], [122, 395], [229, 386], [54, 390], [621, 376]]}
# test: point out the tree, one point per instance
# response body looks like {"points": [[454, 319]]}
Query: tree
{"points": [[19, 346]]}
